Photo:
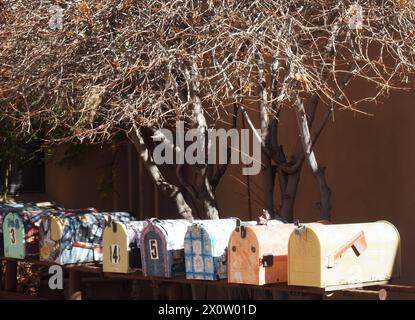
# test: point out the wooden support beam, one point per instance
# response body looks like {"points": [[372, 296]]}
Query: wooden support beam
{"points": [[378, 291], [7, 295], [10, 279], [367, 294], [1, 275], [398, 288], [75, 285]]}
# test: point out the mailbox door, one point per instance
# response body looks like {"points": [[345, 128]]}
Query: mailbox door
{"points": [[243, 258], [115, 249], [49, 249], [154, 254], [273, 250], [14, 236], [198, 254], [305, 261]]}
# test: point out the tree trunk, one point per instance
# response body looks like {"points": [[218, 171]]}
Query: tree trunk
{"points": [[289, 195], [318, 172], [268, 173], [171, 191], [205, 194]]}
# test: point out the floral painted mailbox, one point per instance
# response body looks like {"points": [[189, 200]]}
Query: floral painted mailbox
{"points": [[75, 237], [205, 246], [344, 255], [21, 229], [162, 247], [121, 246]]}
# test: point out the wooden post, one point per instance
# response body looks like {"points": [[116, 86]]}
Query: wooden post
{"points": [[178, 291], [155, 290], [10, 281], [194, 291], [1, 275], [75, 285]]}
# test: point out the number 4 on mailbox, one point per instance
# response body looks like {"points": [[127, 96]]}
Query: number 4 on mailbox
{"points": [[115, 253]]}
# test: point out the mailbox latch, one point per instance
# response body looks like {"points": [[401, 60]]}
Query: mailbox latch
{"points": [[267, 260], [299, 228], [243, 232]]}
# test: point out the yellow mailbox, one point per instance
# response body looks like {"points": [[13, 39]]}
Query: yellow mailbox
{"points": [[121, 246], [344, 255]]}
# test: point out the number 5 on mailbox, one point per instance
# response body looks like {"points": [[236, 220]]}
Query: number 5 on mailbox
{"points": [[154, 253]]}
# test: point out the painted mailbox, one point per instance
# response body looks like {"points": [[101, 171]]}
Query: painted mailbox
{"points": [[76, 238], [205, 248], [344, 255], [162, 247], [257, 254], [121, 246]]}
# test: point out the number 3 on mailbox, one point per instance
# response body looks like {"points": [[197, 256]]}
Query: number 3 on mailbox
{"points": [[12, 236], [154, 253]]}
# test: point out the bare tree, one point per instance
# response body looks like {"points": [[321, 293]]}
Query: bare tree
{"points": [[105, 67]]}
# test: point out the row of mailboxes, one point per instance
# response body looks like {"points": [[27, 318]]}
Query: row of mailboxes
{"points": [[48, 232], [320, 255], [170, 248], [315, 254], [206, 246], [156, 246]]}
